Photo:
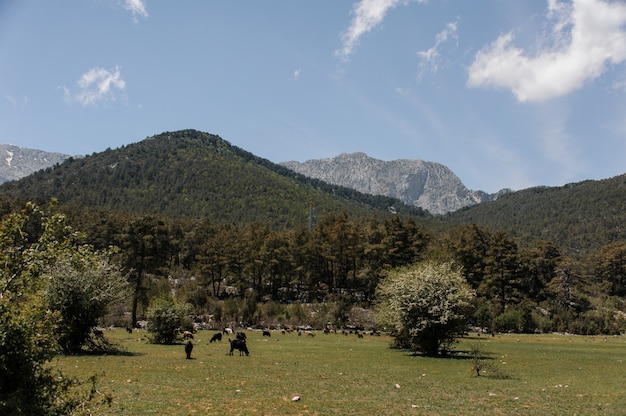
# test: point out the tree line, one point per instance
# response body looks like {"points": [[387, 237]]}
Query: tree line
{"points": [[518, 288]]}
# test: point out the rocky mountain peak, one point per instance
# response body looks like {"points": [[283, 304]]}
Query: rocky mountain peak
{"points": [[429, 185]]}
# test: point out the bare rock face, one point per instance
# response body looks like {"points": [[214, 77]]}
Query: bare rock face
{"points": [[17, 162], [428, 185]]}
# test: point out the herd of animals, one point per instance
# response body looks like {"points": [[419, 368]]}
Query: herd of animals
{"points": [[239, 343]]}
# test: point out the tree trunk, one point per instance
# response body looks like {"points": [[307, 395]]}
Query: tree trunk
{"points": [[136, 300]]}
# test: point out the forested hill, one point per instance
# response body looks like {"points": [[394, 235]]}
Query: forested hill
{"points": [[194, 175], [579, 217]]}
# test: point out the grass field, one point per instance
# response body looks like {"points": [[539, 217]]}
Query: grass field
{"points": [[335, 374]]}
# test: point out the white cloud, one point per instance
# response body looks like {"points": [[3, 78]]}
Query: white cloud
{"points": [[137, 8], [296, 74], [431, 57], [97, 86], [585, 36], [367, 15]]}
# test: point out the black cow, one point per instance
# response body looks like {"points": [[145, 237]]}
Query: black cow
{"points": [[240, 345], [188, 349], [216, 337]]}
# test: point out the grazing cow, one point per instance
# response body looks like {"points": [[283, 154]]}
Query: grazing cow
{"points": [[359, 335], [187, 335], [309, 333], [216, 337], [238, 344], [188, 349], [241, 336], [129, 330], [267, 334], [228, 331]]}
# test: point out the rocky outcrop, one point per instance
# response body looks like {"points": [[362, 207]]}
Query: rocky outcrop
{"points": [[17, 162], [431, 186]]}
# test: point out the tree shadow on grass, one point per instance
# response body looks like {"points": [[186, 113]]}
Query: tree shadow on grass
{"points": [[483, 363], [99, 345]]}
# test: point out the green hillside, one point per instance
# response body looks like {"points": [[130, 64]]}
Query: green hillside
{"points": [[578, 217], [191, 174]]}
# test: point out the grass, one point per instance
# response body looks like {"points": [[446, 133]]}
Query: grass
{"points": [[334, 374]]}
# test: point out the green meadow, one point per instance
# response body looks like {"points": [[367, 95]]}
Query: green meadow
{"points": [[346, 375]]}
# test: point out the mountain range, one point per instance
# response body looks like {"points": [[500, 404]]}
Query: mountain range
{"points": [[427, 185], [194, 174], [191, 174]]}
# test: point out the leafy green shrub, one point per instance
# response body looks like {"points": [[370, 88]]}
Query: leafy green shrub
{"points": [[511, 320], [516, 319], [166, 319], [82, 285]]}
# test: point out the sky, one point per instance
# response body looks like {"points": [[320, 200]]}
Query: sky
{"points": [[505, 93]]}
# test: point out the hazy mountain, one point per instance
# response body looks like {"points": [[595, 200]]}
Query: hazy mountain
{"points": [[428, 185], [18, 162], [194, 174]]}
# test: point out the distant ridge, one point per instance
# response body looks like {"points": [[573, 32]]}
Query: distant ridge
{"points": [[17, 162], [193, 174], [428, 185]]}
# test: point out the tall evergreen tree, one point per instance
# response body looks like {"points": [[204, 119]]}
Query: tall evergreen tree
{"points": [[146, 249]]}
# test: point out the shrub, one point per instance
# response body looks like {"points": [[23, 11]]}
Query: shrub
{"points": [[82, 285], [426, 304], [166, 319]]}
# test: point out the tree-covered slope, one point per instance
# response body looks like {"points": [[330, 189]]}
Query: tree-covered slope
{"points": [[193, 174], [578, 217]]}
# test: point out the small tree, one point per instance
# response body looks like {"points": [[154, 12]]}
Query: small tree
{"points": [[165, 319], [82, 285], [426, 305]]}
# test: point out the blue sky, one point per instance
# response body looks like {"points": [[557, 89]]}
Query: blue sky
{"points": [[506, 93]]}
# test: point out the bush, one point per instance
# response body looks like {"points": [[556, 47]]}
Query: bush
{"points": [[166, 319], [517, 319], [426, 304], [82, 285], [482, 365], [511, 320]]}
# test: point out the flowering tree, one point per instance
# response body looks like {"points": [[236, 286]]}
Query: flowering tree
{"points": [[426, 304]]}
